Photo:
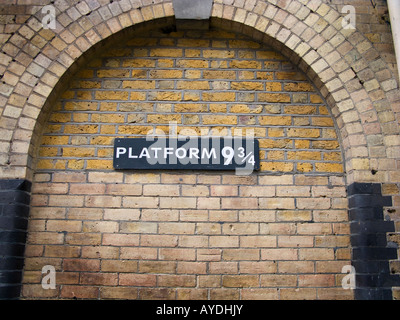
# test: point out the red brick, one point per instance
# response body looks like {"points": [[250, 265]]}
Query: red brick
{"points": [[139, 280]]}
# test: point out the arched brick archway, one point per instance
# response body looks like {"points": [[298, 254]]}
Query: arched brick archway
{"points": [[309, 33], [340, 63]]}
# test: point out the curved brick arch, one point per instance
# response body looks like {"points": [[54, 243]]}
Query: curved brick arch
{"points": [[53, 56], [308, 32]]}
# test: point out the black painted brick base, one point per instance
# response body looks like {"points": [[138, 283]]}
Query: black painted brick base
{"points": [[14, 213], [370, 250]]}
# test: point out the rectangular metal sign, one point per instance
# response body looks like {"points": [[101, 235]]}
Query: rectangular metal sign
{"points": [[196, 153]]}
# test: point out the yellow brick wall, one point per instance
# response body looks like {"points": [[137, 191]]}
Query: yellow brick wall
{"points": [[202, 82], [281, 233]]}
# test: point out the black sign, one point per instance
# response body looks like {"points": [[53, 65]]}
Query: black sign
{"points": [[204, 153]]}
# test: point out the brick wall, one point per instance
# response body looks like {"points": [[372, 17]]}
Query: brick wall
{"points": [[183, 235], [354, 70]]}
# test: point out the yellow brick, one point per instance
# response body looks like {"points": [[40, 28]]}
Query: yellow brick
{"points": [[108, 106], [322, 121], [101, 140], [165, 63], [276, 144], [160, 118], [55, 140], [191, 96], [141, 96], [139, 84], [219, 96], [119, 52], [138, 63], [76, 164], [191, 119], [217, 107], [273, 86], [269, 55], [276, 166], [112, 95], [245, 64], [60, 117], [193, 85], [329, 167], [190, 107], [83, 129], [304, 155], [314, 98], [246, 75], [283, 75], [192, 74], [333, 156], [244, 44], [303, 133], [68, 94], [108, 118], [104, 152], [78, 152], [50, 128], [84, 95], [218, 74], [223, 54], [166, 52], [48, 152], [329, 133], [86, 73], [99, 164], [274, 97], [328, 145], [275, 120], [264, 75], [192, 63], [134, 129], [80, 117], [305, 167], [218, 64], [298, 87], [219, 119], [247, 86], [51, 164], [81, 106], [244, 108], [275, 132], [113, 73], [300, 110], [302, 144], [276, 155], [165, 96]]}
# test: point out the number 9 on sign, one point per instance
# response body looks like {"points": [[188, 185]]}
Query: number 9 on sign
{"points": [[227, 153]]}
